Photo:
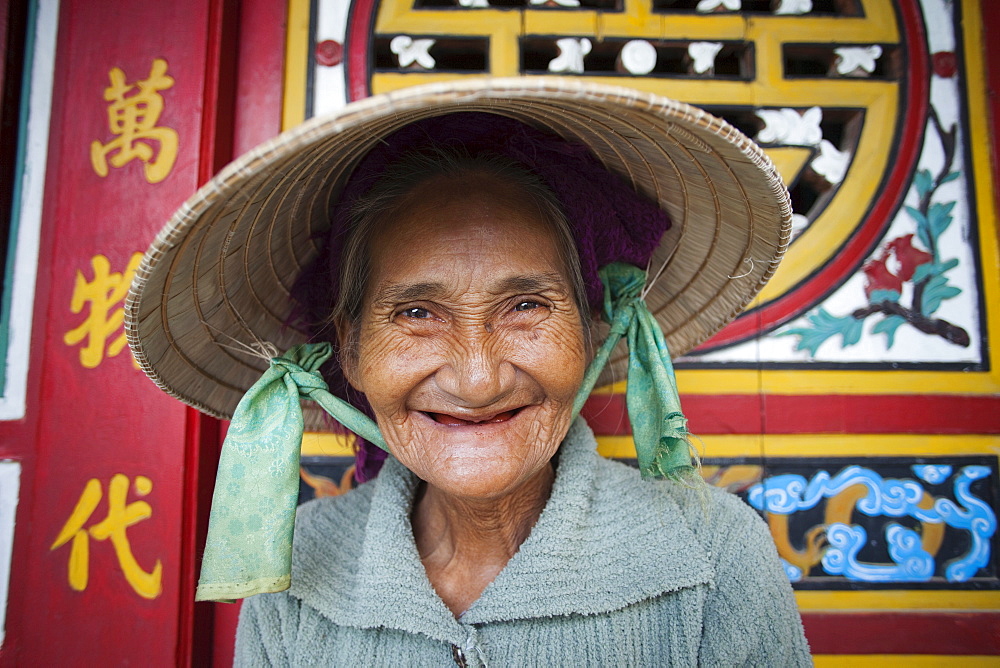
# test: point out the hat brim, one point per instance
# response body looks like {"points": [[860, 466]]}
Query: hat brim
{"points": [[214, 290]]}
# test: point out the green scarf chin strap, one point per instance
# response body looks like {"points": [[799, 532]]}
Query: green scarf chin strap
{"points": [[249, 546], [659, 429]]}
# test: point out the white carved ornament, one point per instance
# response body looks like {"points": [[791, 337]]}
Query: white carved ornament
{"points": [[712, 5], [863, 58], [638, 57], [831, 163], [789, 127], [792, 7], [410, 51], [703, 55], [571, 53]]}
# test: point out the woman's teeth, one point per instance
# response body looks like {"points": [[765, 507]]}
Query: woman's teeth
{"points": [[451, 420]]}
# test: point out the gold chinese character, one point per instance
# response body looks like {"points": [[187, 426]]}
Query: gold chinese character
{"points": [[104, 294], [120, 517], [133, 119]]}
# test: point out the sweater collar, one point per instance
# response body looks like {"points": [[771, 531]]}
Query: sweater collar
{"points": [[605, 540]]}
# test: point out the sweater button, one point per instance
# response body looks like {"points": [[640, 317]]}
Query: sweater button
{"points": [[459, 656]]}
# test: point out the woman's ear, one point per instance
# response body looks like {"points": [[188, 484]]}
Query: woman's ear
{"points": [[347, 353]]}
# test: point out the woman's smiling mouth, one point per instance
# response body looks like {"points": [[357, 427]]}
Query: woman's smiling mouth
{"points": [[455, 421]]}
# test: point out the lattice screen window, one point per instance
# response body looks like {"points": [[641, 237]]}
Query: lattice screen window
{"points": [[805, 78]]}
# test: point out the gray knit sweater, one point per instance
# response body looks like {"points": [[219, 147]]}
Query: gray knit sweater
{"points": [[615, 572]]}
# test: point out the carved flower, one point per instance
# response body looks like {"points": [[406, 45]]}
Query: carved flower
{"points": [[945, 64], [878, 278], [908, 256]]}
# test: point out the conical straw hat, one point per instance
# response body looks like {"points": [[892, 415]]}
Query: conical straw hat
{"points": [[214, 289]]}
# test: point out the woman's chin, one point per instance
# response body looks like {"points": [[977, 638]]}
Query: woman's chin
{"points": [[480, 478], [478, 461]]}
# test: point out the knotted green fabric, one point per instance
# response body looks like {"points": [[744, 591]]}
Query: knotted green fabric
{"points": [[249, 546], [659, 428]]}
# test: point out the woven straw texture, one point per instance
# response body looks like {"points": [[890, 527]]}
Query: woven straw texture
{"points": [[213, 291]]}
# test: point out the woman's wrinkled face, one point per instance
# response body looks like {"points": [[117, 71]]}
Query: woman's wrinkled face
{"points": [[470, 347]]}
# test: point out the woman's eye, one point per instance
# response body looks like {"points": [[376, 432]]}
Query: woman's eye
{"points": [[416, 313], [526, 305]]}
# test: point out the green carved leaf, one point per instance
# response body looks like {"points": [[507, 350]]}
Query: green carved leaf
{"points": [[851, 331], [933, 269], [888, 326], [822, 327], [939, 217], [923, 227], [916, 214], [923, 182], [936, 291]]}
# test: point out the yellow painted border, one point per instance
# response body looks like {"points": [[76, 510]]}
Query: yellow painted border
{"points": [[293, 108], [824, 445], [315, 444], [909, 660], [900, 600]]}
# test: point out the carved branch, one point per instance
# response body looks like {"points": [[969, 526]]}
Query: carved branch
{"points": [[943, 328]]}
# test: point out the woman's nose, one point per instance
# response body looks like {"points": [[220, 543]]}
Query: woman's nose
{"points": [[478, 373]]}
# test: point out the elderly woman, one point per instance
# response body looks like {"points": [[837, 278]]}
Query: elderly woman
{"points": [[459, 243]]}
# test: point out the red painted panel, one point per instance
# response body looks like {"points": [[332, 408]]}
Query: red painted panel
{"points": [[903, 633], [260, 73], [227, 617], [94, 423], [821, 414], [915, 414]]}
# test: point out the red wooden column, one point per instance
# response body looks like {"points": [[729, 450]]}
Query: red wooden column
{"points": [[114, 471]]}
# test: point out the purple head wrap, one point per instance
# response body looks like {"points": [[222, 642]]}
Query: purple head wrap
{"points": [[610, 221]]}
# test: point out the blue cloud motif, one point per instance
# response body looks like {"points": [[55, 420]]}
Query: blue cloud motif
{"points": [[792, 572], [783, 494], [977, 518], [932, 474], [912, 562], [789, 493]]}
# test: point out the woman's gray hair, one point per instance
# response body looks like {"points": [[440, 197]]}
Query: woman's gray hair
{"points": [[374, 209]]}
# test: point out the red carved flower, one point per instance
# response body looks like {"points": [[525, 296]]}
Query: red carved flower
{"points": [[909, 256], [878, 277], [945, 64]]}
